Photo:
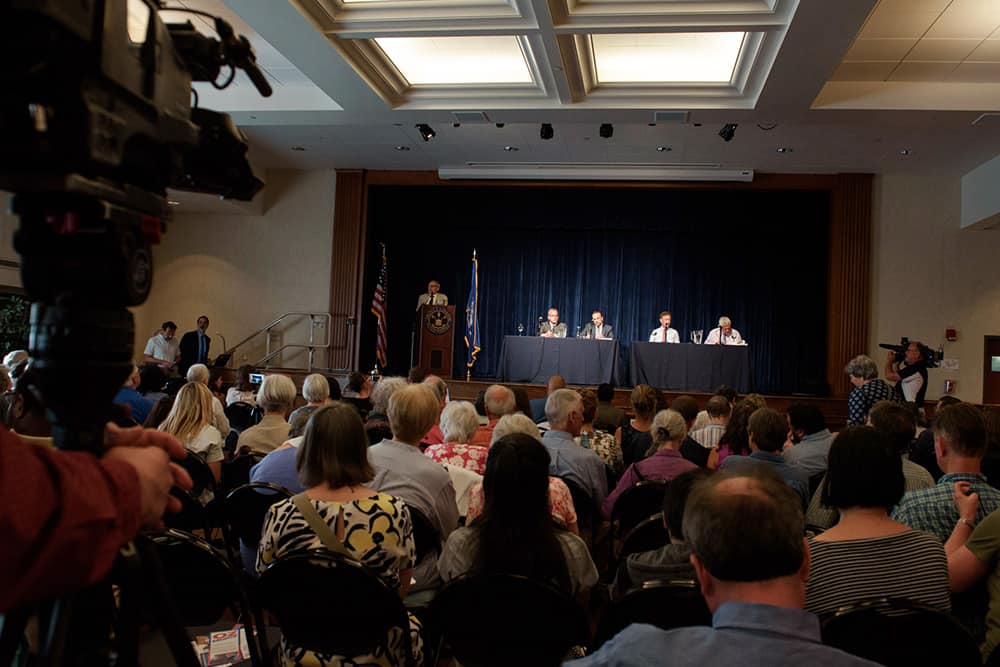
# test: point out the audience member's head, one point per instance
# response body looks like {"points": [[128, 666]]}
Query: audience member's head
{"points": [[959, 432], [767, 430], [668, 430], [745, 529], [132, 381], [589, 398], [805, 419], [511, 424], [863, 471], [315, 389], [276, 394], [416, 375], [861, 368], [334, 451], [605, 392], [687, 407], [499, 401], [243, 381], [718, 407], [728, 392], [644, 401], [737, 436], [384, 389], [190, 413], [458, 422], [556, 382], [522, 403], [413, 410], [198, 373], [333, 386], [675, 500], [564, 410], [355, 381], [757, 401], [895, 422]]}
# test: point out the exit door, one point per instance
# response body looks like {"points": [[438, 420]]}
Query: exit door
{"points": [[991, 370]]}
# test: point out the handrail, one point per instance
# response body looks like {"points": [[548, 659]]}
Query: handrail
{"points": [[266, 329], [271, 324]]}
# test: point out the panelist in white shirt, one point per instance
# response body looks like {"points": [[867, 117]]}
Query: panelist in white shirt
{"points": [[663, 333], [724, 334]]}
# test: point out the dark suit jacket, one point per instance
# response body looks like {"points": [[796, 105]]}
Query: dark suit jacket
{"points": [[189, 351], [560, 329], [588, 330]]}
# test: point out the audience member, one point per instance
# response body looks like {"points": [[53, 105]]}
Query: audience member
{"points": [[722, 390], [499, 402], [337, 507], [687, 407], [515, 533], [416, 375], [403, 471], [633, 437], [922, 448], [718, 409], [602, 442], [668, 431], [672, 560], [139, 406], [190, 421], [243, 390], [200, 373], [162, 349], [735, 440], [275, 397], [316, 391], [458, 422], [377, 424], [538, 404], [867, 554], [609, 418], [751, 560], [868, 389], [435, 436], [810, 437], [522, 403], [960, 442], [564, 408], [159, 412], [358, 393], [767, 430]]}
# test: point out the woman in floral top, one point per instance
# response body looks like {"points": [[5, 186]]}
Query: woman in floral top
{"points": [[458, 422], [602, 442]]}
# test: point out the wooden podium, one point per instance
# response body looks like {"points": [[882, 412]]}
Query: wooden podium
{"points": [[436, 339]]}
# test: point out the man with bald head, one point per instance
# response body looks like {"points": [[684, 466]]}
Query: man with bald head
{"points": [[499, 401], [756, 601]]}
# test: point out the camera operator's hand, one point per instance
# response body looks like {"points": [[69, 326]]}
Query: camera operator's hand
{"points": [[149, 452]]}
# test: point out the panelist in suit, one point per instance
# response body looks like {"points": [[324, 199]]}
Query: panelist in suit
{"points": [[433, 296], [663, 333], [596, 328], [194, 347], [724, 334], [552, 328]]}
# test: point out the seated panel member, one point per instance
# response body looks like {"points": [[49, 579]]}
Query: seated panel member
{"points": [[724, 334], [596, 328], [664, 333], [552, 328], [433, 296]]}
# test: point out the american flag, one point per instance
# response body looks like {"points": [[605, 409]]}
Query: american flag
{"points": [[378, 310]]}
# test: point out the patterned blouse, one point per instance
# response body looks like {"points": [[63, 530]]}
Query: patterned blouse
{"points": [[377, 531], [864, 397], [605, 446], [560, 502], [470, 457]]}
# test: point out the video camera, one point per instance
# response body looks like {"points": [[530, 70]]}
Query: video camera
{"points": [[96, 122], [931, 358]]}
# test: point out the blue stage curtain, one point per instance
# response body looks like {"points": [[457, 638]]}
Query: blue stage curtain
{"points": [[760, 257]]}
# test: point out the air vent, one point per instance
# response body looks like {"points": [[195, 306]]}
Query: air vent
{"points": [[670, 116], [470, 117]]}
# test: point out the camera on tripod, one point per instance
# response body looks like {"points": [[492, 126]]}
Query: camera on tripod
{"points": [[931, 358]]}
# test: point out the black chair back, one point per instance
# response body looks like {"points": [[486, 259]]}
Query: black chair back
{"points": [[330, 604], [637, 504], [236, 473], [892, 631], [242, 416], [426, 538], [200, 473], [495, 620], [246, 508], [647, 535], [665, 604], [583, 504], [192, 516]]}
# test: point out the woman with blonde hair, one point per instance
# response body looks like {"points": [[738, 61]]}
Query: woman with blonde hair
{"points": [[190, 421], [633, 438]]}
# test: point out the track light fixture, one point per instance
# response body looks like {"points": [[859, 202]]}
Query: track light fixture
{"points": [[607, 130], [728, 131], [546, 132], [426, 131]]}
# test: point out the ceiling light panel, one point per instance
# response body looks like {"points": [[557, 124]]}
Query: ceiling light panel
{"points": [[457, 60], [705, 57]]}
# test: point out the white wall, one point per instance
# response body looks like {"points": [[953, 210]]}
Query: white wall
{"points": [[245, 270], [929, 274]]}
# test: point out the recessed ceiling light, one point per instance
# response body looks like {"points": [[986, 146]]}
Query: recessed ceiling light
{"points": [[510, 148], [298, 148], [456, 60], [701, 57], [904, 151], [402, 148], [664, 149], [783, 149]]}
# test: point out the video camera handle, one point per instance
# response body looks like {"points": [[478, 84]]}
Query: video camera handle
{"points": [[239, 53]]}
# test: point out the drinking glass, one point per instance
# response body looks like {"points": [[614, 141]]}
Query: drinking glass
{"points": [[696, 336]]}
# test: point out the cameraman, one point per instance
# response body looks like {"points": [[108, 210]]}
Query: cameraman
{"points": [[910, 375]]}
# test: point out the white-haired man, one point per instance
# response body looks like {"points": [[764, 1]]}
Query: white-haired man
{"points": [[499, 401], [724, 334], [564, 408]]}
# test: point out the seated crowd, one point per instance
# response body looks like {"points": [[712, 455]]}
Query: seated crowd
{"points": [[779, 521]]}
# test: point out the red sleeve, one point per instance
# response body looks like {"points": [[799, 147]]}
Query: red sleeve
{"points": [[63, 517]]}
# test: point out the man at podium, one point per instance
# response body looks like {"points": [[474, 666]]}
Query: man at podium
{"points": [[433, 296]]}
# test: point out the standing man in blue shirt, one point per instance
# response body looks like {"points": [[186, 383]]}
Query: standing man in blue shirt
{"points": [[194, 347]]}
